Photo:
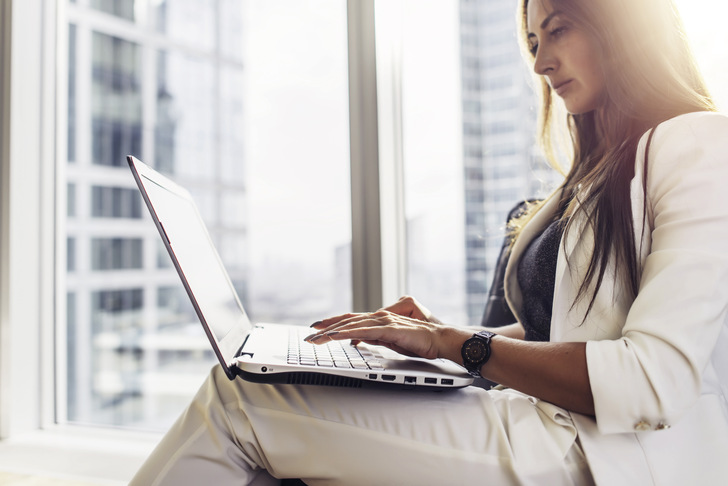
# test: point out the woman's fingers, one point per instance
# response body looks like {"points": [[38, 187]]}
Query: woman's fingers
{"points": [[329, 325], [380, 318], [325, 323], [407, 337], [408, 306]]}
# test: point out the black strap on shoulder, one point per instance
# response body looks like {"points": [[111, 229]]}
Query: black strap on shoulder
{"points": [[647, 156], [644, 186]]}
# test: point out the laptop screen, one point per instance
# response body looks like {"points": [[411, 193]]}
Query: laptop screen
{"points": [[197, 261]]}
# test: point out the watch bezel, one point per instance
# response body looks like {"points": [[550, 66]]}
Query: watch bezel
{"points": [[473, 364]]}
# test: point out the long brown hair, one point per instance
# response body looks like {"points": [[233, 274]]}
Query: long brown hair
{"points": [[651, 76]]}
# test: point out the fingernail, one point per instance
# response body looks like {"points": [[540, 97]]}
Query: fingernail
{"points": [[315, 324], [313, 337], [331, 333]]}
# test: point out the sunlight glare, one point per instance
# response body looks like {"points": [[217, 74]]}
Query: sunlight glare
{"points": [[705, 25]]}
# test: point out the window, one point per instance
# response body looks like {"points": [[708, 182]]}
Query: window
{"points": [[449, 175], [115, 202], [129, 350], [116, 253], [245, 104]]}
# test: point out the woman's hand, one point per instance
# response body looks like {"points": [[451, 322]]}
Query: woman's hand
{"points": [[555, 372], [409, 307], [403, 327]]}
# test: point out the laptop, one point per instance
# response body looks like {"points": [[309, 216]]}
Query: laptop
{"points": [[268, 353]]}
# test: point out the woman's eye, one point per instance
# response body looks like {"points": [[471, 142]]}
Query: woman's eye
{"points": [[558, 31], [533, 49]]}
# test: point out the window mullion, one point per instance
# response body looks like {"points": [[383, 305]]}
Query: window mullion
{"points": [[376, 158], [53, 143], [389, 20]]}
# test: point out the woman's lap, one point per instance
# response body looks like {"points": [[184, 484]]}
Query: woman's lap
{"points": [[365, 436]]}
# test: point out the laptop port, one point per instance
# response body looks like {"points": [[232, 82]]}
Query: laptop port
{"points": [[431, 381], [410, 379], [447, 381], [372, 376], [388, 377]]}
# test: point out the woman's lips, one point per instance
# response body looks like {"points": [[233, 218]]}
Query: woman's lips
{"points": [[562, 87]]}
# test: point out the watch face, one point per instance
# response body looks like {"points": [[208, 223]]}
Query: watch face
{"points": [[474, 350]]}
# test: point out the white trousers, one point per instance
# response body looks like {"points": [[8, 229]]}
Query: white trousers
{"points": [[235, 432]]}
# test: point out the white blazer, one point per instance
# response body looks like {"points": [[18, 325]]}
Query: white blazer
{"points": [[658, 363]]}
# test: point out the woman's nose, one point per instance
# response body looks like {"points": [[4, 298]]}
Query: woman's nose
{"points": [[544, 62]]}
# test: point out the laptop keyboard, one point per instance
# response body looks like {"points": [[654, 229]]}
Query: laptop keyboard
{"points": [[334, 354]]}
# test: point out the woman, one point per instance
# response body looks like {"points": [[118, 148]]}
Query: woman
{"points": [[616, 371]]}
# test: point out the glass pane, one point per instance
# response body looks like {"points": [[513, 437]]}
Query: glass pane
{"points": [[257, 130], [233, 29], [192, 21], [460, 187], [125, 9], [468, 150], [298, 156], [71, 138], [232, 146], [433, 185], [185, 128], [116, 104]]}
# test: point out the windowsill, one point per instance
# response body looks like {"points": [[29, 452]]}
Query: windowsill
{"points": [[102, 456]]}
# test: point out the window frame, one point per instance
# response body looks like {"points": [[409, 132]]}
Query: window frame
{"points": [[26, 261]]}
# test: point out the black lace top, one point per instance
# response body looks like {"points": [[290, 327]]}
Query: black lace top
{"points": [[536, 276]]}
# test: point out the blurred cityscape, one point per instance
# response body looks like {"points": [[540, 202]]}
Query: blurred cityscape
{"points": [[139, 84]]}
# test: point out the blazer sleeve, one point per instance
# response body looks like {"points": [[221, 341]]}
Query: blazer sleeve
{"points": [[652, 374]]}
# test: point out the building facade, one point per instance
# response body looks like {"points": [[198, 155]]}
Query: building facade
{"points": [[137, 85], [501, 162]]}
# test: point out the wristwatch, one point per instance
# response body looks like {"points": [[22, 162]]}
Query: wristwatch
{"points": [[476, 351]]}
